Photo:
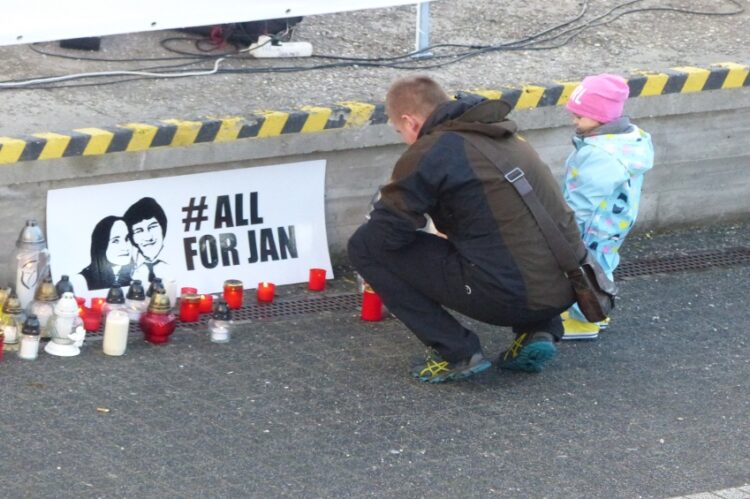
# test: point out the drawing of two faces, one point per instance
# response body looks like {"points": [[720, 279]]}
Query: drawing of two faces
{"points": [[128, 247]]}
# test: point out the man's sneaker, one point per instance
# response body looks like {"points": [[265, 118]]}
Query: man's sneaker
{"points": [[436, 370], [579, 330], [529, 352]]}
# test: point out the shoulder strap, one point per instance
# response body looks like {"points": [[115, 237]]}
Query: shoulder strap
{"points": [[561, 248]]}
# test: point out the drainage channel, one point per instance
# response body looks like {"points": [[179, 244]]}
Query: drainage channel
{"points": [[350, 302]]}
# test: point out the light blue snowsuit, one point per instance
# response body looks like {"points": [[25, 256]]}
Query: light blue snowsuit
{"points": [[603, 180]]}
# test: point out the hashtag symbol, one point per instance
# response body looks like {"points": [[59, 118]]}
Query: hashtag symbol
{"points": [[194, 214]]}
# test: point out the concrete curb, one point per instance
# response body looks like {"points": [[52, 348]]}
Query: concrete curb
{"points": [[133, 137]]}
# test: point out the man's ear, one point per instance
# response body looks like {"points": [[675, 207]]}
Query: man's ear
{"points": [[412, 122]]}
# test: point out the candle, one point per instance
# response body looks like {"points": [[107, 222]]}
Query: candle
{"points": [[207, 304], [372, 305], [115, 333], [317, 280], [233, 292], [29, 339], [92, 320], [158, 323], [184, 291], [190, 307], [81, 301], [265, 292], [170, 287], [96, 305], [220, 324]]}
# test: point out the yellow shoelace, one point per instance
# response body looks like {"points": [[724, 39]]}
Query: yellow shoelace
{"points": [[515, 347], [434, 367]]}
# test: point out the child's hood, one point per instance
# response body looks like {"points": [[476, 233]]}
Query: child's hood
{"points": [[633, 148]]}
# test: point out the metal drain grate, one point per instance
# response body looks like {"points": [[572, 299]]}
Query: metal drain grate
{"points": [[279, 309], [679, 263], [282, 308]]}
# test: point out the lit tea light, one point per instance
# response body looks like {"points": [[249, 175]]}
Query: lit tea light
{"points": [[266, 292]]}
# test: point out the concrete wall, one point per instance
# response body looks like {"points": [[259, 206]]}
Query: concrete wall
{"points": [[702, 171]]}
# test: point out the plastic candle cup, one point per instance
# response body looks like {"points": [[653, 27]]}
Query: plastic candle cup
{"points": [[97, 304], [184, 291], [81, 301], [233, 292], [266, 292], [317, 280], [372, 305], [115, 333], [207, 304], [190, 307], [92, 320]]}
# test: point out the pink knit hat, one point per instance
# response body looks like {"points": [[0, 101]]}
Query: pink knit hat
{"points": [[599, 97]]}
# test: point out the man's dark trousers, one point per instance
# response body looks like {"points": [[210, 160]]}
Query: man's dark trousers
{"points": [[418, 279]]}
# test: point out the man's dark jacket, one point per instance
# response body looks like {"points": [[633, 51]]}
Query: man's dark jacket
{"points": [[443, 175]]}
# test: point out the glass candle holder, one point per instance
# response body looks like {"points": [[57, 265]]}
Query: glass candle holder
{"points": [[158, 323], [207, 304], [372, 305], [233, 293], [220, 324], [29, 339], [266, 291], [317, 280], [190, 304], [135, 301]]}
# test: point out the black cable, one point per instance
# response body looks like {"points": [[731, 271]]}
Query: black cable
{"points": [[554, 37]]}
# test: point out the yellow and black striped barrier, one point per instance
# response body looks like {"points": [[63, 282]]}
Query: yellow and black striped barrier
{"points": [[175, 133]]}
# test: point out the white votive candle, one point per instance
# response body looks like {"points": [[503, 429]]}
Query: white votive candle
{"points": [[115, 333]]}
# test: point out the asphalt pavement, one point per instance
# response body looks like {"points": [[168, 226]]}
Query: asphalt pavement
{"points": [[320, 404]]}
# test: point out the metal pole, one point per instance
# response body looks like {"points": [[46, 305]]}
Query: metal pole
{"points": [[423, 29]]}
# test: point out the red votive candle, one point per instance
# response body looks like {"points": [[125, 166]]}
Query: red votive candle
{"points": [[266, 291], [372, 305], [207, 304], [92, 320], [317, 280], [233, 293], [81, 301], [190, 304], [185, 291], [96, 305]]}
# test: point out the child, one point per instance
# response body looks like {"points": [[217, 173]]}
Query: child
{"points": [[603, 178]]}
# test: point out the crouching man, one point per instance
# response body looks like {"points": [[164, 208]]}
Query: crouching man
{"points": [[493, 264]]}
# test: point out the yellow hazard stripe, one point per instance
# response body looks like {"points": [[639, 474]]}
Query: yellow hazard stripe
{"points": [[11, 149], [55, 145], [99, 140], [273, 123], [737, 75], [359, 113], [229, 129], [317, 117], [655, 83], [186, 133], [696, 79], [568, 87], [530, 96], [143, 135]]}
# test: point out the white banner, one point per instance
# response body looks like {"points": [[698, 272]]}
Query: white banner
{"points": [[253, 224], [28, 21]]}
